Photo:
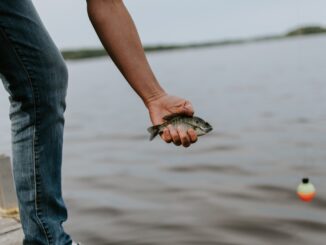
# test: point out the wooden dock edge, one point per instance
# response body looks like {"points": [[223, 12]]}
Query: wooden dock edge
{"points": [[10, 228], [10, 232]]}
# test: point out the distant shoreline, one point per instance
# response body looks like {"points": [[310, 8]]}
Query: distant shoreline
{"points": [[79, 54]]}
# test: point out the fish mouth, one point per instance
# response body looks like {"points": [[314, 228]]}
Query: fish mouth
{"points": [[207, 130]]}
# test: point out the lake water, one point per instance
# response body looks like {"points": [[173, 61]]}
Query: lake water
{"points": [[267, 104]]}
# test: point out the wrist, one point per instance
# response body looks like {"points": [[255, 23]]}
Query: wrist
{"points": [[154, 96]]}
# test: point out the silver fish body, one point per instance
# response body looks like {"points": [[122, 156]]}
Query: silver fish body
{"points": [[200, 126]]}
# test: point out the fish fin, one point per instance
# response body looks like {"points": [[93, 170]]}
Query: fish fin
{"points": [[154, 131], [170, 116]]}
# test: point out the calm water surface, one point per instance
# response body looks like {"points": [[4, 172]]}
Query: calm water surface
{"points": [[267, 103]]}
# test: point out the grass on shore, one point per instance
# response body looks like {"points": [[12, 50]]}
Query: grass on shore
{"points": [[99, 52]]}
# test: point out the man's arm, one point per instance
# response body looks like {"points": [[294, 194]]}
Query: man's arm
{"points": [[120, 38]]}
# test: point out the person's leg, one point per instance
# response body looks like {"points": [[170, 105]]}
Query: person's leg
{"points": [[35, 75]]}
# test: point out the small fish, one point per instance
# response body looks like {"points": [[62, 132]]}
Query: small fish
{"points": [[186, 122]]}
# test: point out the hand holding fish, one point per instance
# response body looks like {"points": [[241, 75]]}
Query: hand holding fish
{"points": [[165, 112]]}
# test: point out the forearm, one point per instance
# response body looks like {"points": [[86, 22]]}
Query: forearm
{"points": [[120, 38]]}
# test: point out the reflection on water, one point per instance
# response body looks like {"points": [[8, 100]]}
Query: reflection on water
{"points": [[237, 185]]}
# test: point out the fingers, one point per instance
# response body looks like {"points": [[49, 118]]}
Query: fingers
{"points": [[179, 136], [185, 139], [189, 110], [184, 107], [192, 135], [166, 136], [175, 135]]}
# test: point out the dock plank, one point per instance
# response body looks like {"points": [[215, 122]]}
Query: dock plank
{"points": [[10, 232]]}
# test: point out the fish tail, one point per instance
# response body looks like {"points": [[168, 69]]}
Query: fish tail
{"points": [[154, 131]]}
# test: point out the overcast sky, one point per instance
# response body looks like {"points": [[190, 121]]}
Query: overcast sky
{"points": [[170, 21]]}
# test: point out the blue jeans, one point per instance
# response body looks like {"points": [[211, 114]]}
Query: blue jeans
{"points": [[35, 76]]}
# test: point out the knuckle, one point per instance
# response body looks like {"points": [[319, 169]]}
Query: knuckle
{"points": [[167, 135], [177, 143], [186, 143], [175, 137], [184, 138], [177, 140]]}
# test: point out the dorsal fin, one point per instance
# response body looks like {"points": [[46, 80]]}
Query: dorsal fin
{"points": [[171, 116]]}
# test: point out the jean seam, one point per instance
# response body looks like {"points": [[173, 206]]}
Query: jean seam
{"points": [[35, 138]]}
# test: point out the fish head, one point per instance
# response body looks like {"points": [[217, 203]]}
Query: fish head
{"points": [[202, 125]]}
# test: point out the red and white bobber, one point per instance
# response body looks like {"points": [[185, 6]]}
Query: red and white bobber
{"points": [[306, 191]]}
